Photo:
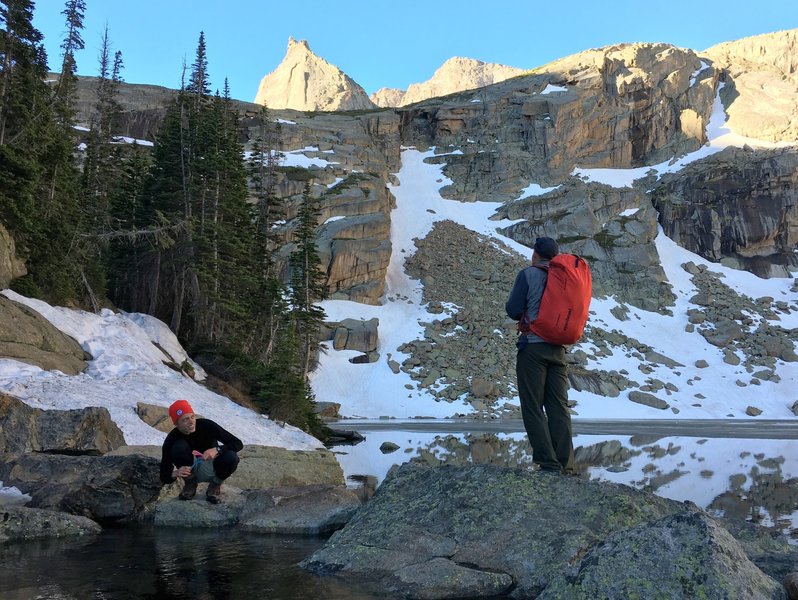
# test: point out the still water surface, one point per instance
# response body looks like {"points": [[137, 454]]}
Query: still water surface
{"points": [[167, 564]]}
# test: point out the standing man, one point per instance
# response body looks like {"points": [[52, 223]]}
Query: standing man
{"points": [[540, 369], [198, 450]]}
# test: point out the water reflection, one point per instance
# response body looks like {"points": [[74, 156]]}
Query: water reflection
{"points": [[754, 479], [167, 564]]}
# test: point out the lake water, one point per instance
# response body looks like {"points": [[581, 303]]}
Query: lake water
{"points": [[752, 478]]}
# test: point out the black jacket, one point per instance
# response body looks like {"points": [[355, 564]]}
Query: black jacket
{"points": [[206, 435]]}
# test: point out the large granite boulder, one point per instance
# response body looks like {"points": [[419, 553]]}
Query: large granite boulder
{"points": [[11, 266], [28, 337], [106, 489], [490, 531], [24, 428], [23, 524], [686, 555]]}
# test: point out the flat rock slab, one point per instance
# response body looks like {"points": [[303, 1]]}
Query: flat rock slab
{"points": [[309, 510], [21, 524], [200, 513]]}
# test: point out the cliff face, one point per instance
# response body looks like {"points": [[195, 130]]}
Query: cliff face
{"points": [[455, 75], [304, 81], [738, 207], [617, 107], [761, 98]]}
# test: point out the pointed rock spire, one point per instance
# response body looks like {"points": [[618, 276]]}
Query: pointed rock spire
{"points": [[305, 81]]}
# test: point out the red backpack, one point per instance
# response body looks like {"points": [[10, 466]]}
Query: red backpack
{"points": [[563, 308]]}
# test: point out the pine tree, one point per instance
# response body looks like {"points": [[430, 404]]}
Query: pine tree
{"points": [[39, 201], [307, 280], [271, 306]]}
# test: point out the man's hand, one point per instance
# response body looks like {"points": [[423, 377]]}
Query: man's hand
{"points": [[182, 472], [210, 454]]}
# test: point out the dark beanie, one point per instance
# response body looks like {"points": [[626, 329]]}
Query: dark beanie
{"points": [[546, 247]]}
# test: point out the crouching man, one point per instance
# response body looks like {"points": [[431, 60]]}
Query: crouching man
{"points": [[196, 451]]}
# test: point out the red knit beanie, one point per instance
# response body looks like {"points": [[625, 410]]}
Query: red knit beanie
{"points": [[178, 409]]}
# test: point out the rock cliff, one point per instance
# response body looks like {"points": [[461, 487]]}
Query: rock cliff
{"points": [[762, 72], [304, 81], [455, 75]]}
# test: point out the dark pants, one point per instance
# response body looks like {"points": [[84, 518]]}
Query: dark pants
{"points": [[224, 465], [543, 385]]}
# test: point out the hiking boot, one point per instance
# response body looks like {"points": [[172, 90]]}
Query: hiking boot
{"points": [[214, 493], [189, 489]]}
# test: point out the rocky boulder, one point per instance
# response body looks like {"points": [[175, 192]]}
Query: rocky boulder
{"points": [[106, 489], [480, 522], [351, 334], [78, 431], [22, 524], [11, 266], [28, 337], [304, 81], [686, 555]]}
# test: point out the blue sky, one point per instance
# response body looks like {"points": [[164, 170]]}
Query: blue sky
{"points": [[381, 43]]}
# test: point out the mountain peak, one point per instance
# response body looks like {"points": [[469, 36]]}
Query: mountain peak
{"points": [[457, 74], [305, 81]]}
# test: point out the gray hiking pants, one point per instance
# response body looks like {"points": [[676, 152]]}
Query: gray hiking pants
{"points": [[543, 390]]}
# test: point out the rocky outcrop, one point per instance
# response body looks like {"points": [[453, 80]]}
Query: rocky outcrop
{"points": [[703, 561], [459, 518], [304, 81], [28, 337], [106, 489], [80, 431], [11, 266], [762, 77], [23, 524], [738, 206], [455, 75]]}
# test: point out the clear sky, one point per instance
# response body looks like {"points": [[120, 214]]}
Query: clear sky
{"points": [[382, 43]]}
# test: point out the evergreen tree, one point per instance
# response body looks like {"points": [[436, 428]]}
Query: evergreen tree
{"points": [[39, 201], [307, 280], [271, 304]]}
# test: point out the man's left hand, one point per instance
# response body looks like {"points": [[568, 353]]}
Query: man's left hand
{"points": [[210, 454]]}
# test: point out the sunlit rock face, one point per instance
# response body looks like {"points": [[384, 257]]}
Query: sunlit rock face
{"points": [[455, 75], [761, 98], [304, 81]]}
